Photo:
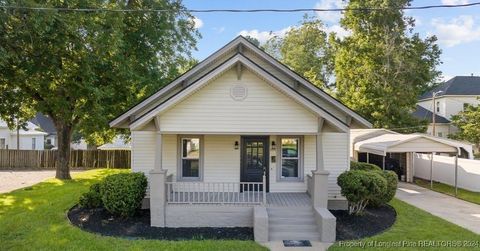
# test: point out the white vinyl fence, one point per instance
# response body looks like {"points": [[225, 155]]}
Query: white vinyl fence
{"points": [[444, 171]]}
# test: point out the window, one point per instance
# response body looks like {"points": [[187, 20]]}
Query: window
{"points": [[438, 106], [49, 141], [290, 160], [190, 161], [34, 143], [440, 134], [2, 143]]}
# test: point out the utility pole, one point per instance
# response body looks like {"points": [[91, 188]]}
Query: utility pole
{"points": [[434, 94]]}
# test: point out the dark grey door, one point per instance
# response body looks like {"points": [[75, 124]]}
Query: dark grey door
{"points": [[254, 159]]}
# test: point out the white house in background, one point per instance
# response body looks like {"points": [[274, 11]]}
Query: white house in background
{"points": [[30, 138], [454, 95], [240, 140], [46, 124]]}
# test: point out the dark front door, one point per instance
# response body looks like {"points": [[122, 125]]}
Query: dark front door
{"points": [[254, 159]]}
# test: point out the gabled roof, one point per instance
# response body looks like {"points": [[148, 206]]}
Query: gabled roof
{"points": [[459, 85], [424, 114], [45, 123], [169, 93]]}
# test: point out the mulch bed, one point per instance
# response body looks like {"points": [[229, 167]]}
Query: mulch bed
{"points": [[100, 221], [374, 221]]}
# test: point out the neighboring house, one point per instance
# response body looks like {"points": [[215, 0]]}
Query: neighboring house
{"points": [[118, 143], [47, 125], [31, 138], [240, 140], [454, 95]]}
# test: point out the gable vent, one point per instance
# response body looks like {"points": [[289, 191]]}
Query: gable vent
{"points": [[239, 92]]}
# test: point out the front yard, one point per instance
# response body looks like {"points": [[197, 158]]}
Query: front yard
{"points": [[34, 218]]}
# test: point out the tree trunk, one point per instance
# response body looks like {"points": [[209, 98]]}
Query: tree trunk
{"points": [[64, 134]]}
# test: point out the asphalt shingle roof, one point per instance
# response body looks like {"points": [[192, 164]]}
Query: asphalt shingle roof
{"points": [[424, 114], [459, 85], [45, 123]]}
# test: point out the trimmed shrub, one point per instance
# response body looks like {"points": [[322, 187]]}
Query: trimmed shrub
{"points": [[122, 193], [360, 187], [392, 182], [92, 198], [354, 165]]}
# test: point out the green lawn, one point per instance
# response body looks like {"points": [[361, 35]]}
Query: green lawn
{"points": [[34, 218], [463, 194], [413, 227]]}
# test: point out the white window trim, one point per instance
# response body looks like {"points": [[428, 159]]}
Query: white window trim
{"points": [[180, 158], [34, 143], [301, 175]]}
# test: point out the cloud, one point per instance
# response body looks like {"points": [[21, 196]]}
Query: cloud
{"points": [[330, 16], [453, 2], [340, 31], [219, 29], [263, 36], [456, 31], [198, 23]]}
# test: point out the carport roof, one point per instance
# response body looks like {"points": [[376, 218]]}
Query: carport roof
{"points": [[404, 143]]}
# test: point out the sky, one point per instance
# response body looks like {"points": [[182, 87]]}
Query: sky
{"points": [[457, 29]]}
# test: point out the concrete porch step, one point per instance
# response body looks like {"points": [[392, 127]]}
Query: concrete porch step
{"points": [[291, 220], [278, 236], [293, 227]]}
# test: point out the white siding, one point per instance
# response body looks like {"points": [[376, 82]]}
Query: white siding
{"points": [[212, 110], [143, 151], [336, 159], [26, 142], [222, 161]]}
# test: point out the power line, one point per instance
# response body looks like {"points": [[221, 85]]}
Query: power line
{"points": [[241, 10]]}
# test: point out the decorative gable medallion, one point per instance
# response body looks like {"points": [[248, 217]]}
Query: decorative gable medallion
{"points": [[239, 92]]}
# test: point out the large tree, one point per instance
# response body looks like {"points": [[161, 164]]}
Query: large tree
{"points": [[468, 124], [84, 68], [382, 67], [305, 49]]}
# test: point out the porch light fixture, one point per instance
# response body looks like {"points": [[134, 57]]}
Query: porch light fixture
{"points": [[274, 146], [236, 145]]}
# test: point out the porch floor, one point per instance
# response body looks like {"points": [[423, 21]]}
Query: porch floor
{"points": [[288, 200]]}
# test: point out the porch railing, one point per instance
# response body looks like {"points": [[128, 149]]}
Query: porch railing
{"points": [[215, 193]]}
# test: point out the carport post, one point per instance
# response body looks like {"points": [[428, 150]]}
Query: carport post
{"points": [[431, 170], [383, 163], [456, 174], [368, 158]]}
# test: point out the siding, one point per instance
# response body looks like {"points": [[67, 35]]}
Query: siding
{"points": [[222, 161], [335, 147], [143, 151], [212, 110]]}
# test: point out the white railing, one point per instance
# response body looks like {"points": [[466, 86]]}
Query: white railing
{"points": [[215, 193]]}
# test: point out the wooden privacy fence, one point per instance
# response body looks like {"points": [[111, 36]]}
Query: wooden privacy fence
{"points": [[46, 159]]}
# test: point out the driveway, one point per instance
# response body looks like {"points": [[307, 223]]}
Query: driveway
{"points": [[459, 212], [12, 180]]}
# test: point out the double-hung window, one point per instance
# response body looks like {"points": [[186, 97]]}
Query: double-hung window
{"points": [[2, 143], [34, 143], [190, 158], [290, 158]]}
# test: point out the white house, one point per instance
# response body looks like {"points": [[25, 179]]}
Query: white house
{"points": [[453, 96], [46, 124], [30, 138], [242, 140]]}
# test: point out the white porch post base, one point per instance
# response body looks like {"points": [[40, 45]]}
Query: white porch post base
{"points": [[157, 197], [320, 188]]}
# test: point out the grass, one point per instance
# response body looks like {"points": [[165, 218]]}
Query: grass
{"points": [[34, 218], [413, 230], [463, 194]]}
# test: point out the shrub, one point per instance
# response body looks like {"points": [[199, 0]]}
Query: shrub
{"points": [[360, 187], [354, 165], [123, 193], [387, 195], [92, 198]]}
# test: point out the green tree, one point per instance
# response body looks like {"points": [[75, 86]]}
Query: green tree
{"points": [[468, 124], [382, 67], [84, 68], [305, 49], [253, 40]]}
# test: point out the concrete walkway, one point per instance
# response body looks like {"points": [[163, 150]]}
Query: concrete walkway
{"points": [[13, 180], [278, 246], [456, 211]]}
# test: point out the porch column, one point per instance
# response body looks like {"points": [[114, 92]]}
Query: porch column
{"points": [[320, 175], [157, 181]]}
